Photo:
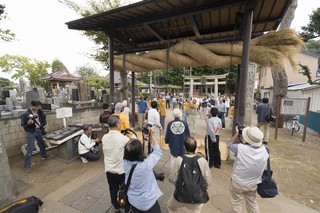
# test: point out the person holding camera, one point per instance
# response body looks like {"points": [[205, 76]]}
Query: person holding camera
{"points": [[143, 192], [113, 145], [251, 160], [33, 120], [87, 147]]}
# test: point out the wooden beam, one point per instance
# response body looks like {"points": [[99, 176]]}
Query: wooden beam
{"points": [[156, 34], [193, 25]]}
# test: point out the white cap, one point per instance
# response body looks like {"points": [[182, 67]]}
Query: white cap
{"points": [[118, 107], [177, 113]]}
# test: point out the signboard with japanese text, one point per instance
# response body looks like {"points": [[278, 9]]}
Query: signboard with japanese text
{"points": [[291, 106], [64, 112]]}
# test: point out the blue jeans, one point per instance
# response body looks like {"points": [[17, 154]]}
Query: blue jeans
{"points": [[31, 138], [90, 156], [185, 115], [162, 119]]}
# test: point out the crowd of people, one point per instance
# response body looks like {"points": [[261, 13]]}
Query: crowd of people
{"points": [[123, 153]]}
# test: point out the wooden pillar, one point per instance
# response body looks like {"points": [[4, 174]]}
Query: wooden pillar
{"points": [[133, 100], [248, 16], [111, 68], [216, 88]]}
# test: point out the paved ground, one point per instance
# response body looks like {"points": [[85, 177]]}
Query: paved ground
{"points": [[78, 187], [89, 193]]}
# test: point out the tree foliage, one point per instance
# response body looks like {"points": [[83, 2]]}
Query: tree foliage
{"points": [[313, 46], [174, 76], [98, 37], [85, 71], [306, 72], [57, 65], [5, 34], [4, 82], [22, 66], [312, 30]]}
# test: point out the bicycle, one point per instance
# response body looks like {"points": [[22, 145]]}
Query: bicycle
{"points": [[292, 125]]}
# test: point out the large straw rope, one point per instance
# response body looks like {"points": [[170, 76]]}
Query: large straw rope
{"points": [[267, 50]]}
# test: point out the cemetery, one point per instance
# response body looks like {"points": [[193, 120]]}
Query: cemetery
{"points": [[61, 94]]}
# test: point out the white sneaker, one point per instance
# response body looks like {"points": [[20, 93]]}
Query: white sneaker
{"points": [[84, 160]]}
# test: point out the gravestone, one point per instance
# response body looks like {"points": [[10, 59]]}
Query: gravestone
{"points": [[99, 95], [30, 96], [75, 95], [41, 93], [56, 101], [9, 104], [63, 97], [92, 96], [5, 94]]}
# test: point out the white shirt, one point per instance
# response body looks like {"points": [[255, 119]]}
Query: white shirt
{"points": [[249, 165], [85, 144], [113, 145], [214, 127], [227, 102], [154, 117], [126, 111]]}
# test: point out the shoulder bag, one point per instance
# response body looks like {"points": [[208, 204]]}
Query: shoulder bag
{"points": [[122, 197], [268, 187]]}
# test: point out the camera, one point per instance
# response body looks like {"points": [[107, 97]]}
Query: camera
{"points": [[240, 127], [146, 129], [159, 176], [32, 116]]}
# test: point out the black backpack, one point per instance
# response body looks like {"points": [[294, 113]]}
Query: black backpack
{"points": [[26, 205], [190, 185]]}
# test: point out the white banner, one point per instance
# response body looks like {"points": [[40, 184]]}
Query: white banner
{"points": [[291, 106]]}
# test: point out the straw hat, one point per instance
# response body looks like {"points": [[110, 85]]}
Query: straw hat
{"points": [[253, 136]]}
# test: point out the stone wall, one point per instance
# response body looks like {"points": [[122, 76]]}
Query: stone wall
{"points": [[14, 135]]}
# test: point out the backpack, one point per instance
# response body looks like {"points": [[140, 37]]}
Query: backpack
{"points": [[26, 205], [190, 185]]}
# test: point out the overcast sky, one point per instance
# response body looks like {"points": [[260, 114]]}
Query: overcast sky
{"points": [[41, 32]]}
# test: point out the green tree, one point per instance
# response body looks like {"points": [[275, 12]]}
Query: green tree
{"points": [[312, 30], [313, 46], [4, 82], [306, 72], [98, 37], [5, 34], [57, 65], [22, 66], [85, 71]]}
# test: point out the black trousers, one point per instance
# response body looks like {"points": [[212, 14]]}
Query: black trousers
{"points": [[154, 209], [213, 155], [114, 181]]}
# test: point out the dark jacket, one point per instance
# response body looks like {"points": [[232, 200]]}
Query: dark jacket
{"points": [[32, 127], [177, 132], [262, 110]]}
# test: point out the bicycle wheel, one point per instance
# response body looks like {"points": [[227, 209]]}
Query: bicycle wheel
{"points": [[296, 126], [289, 124]]}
